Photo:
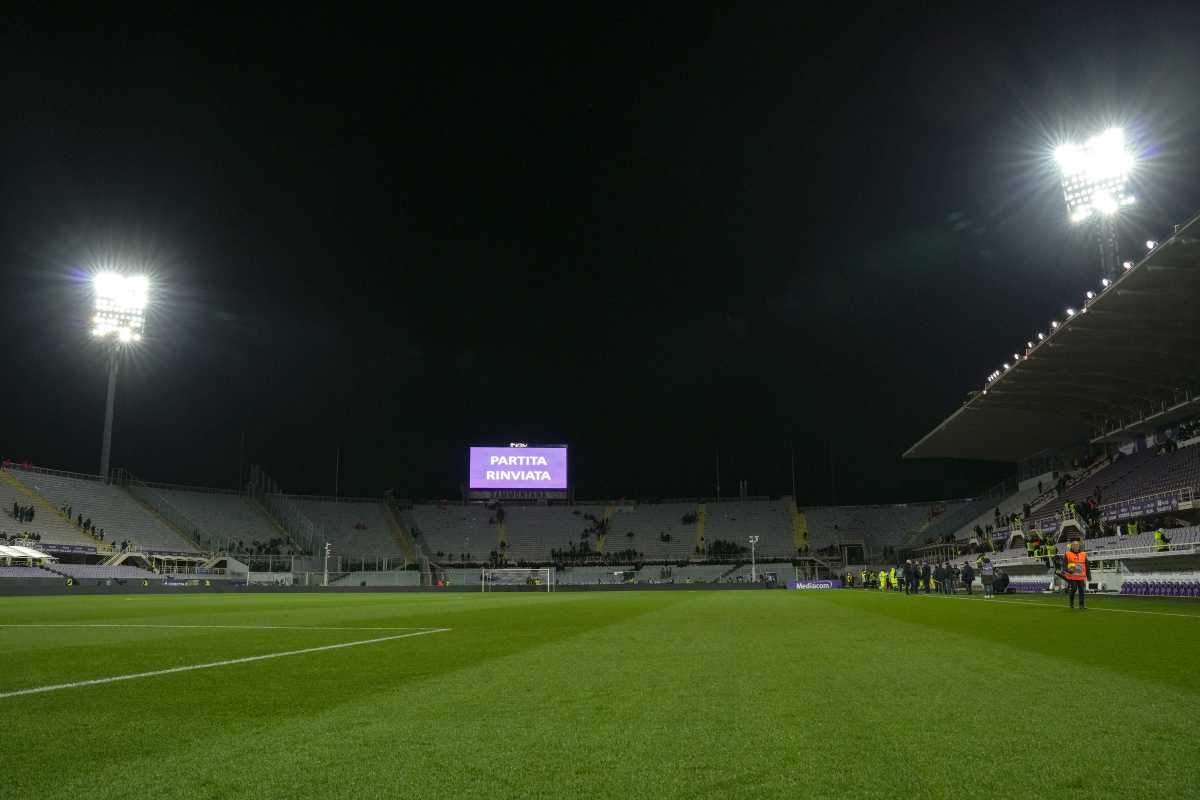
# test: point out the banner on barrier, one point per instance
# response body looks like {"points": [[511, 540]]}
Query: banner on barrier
{"points": [[836, 583]]}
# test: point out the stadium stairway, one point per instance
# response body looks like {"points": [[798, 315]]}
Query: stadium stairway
{"points": [[62, 529], [602, 539], [699, 545], [400, 534], [799, 527]]}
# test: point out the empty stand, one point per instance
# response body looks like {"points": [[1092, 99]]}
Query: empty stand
{"points": [[877, 526], [1157, 473], [649, 522], [1102, 479], [109, 507], [226, 517], [26, 572], [100, 572], [534, 531], [355, 527], [770, 520], [47, 521], [454, 529], [1012, 504]]}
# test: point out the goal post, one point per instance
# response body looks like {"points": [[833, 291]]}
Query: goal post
{"points": [[533, 579]]}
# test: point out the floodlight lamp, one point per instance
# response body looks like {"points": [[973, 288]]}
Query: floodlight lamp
{"points": [[1029, 344], [120, 305], [1151, 244], [1041, 337], [1127, 264], [1006, 366], [1105, 282], [1016, 357], [1095, 174], [1070, 312], [1054, 323], [1105, 203], [1091, 295]]}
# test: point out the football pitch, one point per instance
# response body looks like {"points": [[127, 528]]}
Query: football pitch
{"points": [[687, 694]]}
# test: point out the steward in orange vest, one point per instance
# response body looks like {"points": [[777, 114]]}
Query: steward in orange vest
{"points": [[1076, 573]]}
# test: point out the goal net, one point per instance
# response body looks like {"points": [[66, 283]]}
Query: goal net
{"points": [[539, 579]]}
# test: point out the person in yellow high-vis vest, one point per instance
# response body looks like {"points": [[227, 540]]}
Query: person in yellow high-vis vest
{"points": [[882, 580]]}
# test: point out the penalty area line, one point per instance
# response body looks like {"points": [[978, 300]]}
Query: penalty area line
{"points": [[203, 627], [212, 664]]}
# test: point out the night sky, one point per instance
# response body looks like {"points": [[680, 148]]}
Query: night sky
{"points": [[650, 235]]}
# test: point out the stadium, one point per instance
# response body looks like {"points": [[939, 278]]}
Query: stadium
{"points": [[497, 623]]}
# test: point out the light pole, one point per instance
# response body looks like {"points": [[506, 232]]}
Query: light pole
{"points": [[753, 568], [118, 320], [1095, 178], [328, 550]]}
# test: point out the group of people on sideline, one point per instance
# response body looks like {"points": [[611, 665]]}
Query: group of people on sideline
{"points": [[922, 577]]}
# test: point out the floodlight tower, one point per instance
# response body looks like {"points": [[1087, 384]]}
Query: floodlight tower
{"points": [[118, 321], [1095, 179], [753, 570]]}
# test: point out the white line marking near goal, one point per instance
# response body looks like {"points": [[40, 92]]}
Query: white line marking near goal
{"points": [[212, 664], [1059, 605], [200, 627]]}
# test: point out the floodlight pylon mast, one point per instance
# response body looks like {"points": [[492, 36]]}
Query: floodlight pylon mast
{"points": [[1110, 255], [106, 445]]}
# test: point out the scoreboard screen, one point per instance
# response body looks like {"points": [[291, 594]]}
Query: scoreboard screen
{"points": [[518, 468]]}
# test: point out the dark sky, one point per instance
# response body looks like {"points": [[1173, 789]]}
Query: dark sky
{"points": [[649, 235]]}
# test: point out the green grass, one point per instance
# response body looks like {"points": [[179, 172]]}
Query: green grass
{"points": [[626, 695]]}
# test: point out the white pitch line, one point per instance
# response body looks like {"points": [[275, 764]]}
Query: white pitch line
{"points": [[200, 627], [212, 664], [1059, 605]]}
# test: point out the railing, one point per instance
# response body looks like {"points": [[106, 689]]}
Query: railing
{"points": [[182, 487], [62, 473], [202, 539], [199, 572], [304, 533], [1146, 505], [381, 562], [329, 498], [1106, 553]]}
